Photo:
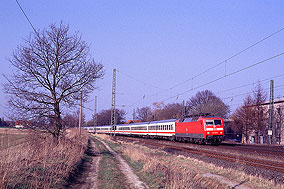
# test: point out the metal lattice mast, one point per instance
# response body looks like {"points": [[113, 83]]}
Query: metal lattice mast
{"points": [[271, 132], [113, 116]]}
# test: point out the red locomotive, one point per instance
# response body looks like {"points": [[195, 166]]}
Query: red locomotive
{"points": [[201, 129]]}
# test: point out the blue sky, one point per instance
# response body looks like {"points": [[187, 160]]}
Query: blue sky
{"points": [[156, 45]]}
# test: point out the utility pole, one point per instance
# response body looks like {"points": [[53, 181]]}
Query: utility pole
{"points": [[113, 111], [271, 131], [95, 118], [80, 114]]}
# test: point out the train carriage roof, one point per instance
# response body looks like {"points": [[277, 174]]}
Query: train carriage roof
{"points": [[141, 123], [163, 121]]}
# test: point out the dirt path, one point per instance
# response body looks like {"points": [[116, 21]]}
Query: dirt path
{"points": [[132, 178], [89, 176]]}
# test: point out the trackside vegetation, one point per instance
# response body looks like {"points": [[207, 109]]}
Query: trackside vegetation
{"points": [[109, 175], [37, 162], [159, 169]]}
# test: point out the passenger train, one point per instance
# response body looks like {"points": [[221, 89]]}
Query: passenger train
{"points": [[197, 129]]}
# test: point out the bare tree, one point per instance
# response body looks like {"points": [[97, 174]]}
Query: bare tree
{"points": [[243, 118], [260, 120], [103, 118], [50, 71], [207, 102], [144, 114], [169, 111], [72, 119], [160, 112]]}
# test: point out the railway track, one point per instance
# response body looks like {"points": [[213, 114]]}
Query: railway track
{"points": [[276, 150], [264, 164]]}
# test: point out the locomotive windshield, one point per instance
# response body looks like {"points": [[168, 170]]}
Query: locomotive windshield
{"points": [[217, 122], [213, 122], [209, 122]]}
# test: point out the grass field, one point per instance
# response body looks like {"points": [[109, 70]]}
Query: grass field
{"points": [[11, 137]]}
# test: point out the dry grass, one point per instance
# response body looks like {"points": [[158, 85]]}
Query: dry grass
{"points": [[11, 137], [183, 172], [40, 163]]}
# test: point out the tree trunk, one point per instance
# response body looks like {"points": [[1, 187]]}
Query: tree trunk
{"points": [[57, 122]]}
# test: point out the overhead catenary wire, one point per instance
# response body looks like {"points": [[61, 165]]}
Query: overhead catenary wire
{"points": [[222, 62], [267, 79], [222, 77], [27, 18], [227, 75], [247, 93], [142, 82], [225, 61], [231, 57]]}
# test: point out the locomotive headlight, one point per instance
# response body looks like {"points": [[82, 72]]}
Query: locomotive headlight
{"points": [[208, 133], [221, 132]]}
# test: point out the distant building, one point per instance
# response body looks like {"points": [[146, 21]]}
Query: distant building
{"points": [[133, 121], [23, 124], [277, 125]]}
